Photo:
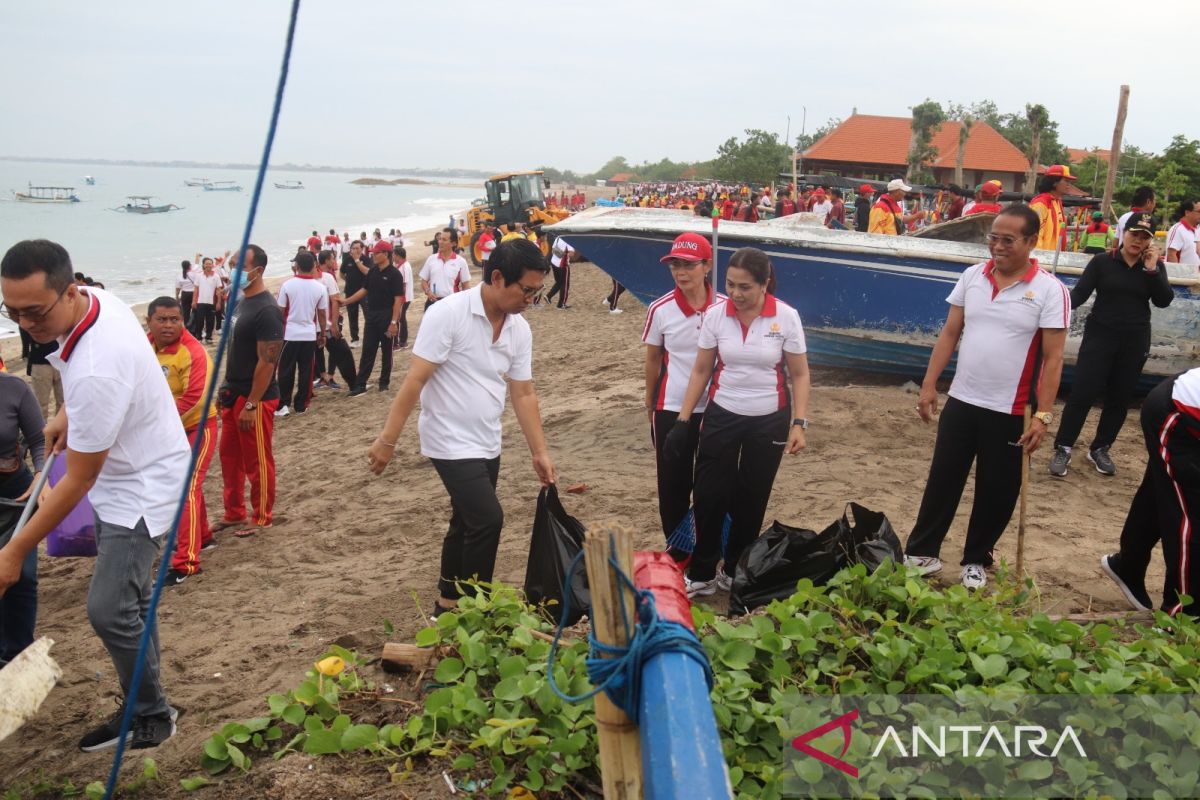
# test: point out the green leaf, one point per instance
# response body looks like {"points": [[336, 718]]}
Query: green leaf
{"points": [[1037, 770], [465, 761], [192, 784], [513, 667], [214, 747], [737, 654], [450, 670], [237, 757], [508, 690], [149, 769], [94, 790], [293, 714], [991, 667], [214, 766], [357, 737], [277, 703], [427, 637], [323, 742]]}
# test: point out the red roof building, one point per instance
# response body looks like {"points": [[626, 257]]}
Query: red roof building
{"points": [[1076, 155], [876, 148]]}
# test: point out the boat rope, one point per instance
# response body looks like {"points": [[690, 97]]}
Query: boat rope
{"points": [[169, 545], [617, 670]]}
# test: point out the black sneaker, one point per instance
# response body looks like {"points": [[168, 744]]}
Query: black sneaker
{"points": [[1060, 461], [176, 577], [383, 388], [1101, 461], [1134, 591], [152, 730], [357, 391], [103, 737]]}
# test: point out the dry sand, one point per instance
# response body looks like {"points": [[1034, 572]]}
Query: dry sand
{"points": [[350, 550]]}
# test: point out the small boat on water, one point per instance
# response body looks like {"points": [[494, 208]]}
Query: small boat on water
{"points": [[197, 182], [289, 185], [89, 180], [140, 204], [222, 186], [868, 301], [47, 194]]}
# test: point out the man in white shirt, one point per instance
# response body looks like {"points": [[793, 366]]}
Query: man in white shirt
{"points": [[822, 205], [1182, 247], [445, 272], [127, 452], [335, 349], [1143, 199], [400, 262], [467, 346], [305, 303], [207, 291], [560, 261]]}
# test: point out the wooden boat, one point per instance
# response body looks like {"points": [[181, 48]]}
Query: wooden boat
{"points": [[868, 301], [47, 194], [140, 204], [222, 186], [197, 182], [89, 180], [289, 185]]}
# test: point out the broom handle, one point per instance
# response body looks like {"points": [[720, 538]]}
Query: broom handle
{"points": [[31, 503], [1024, 487]]}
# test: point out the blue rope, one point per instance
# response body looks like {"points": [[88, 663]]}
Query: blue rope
{"points": [[683, 538], [231, 307], [617, 671]]}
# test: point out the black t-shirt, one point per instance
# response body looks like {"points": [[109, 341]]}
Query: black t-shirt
{"points": [[351, 275], [862, 214], [383, 287], [256, 319]]}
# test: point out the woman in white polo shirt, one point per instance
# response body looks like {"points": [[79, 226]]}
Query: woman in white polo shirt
{"points": [[755, 414], [671, 335]]}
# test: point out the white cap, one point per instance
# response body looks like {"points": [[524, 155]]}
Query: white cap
{"points": [[893, 185]]}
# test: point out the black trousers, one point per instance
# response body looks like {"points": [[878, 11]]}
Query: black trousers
{"points": [[374, 339], [1109, 365], [203, 320], [562, 284], [1167, 503], [736, 462], [615, 294], [674, 480], [352, 312], [340, 359], [970, 434], [476, 519], [404, 323], [302, 356], [185, 307]]}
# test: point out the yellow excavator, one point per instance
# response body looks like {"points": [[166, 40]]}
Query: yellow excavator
{"points": [[511, 197]]}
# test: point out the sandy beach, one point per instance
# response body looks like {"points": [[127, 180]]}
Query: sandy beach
{"points": [[349, 550]]}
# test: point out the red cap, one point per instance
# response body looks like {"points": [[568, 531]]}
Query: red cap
{"points": [[819, 193], [382, 246], [1060, 171], [689, 247], [990, 189], [866, 188]]}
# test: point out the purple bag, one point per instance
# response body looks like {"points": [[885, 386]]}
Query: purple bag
{"points": [[76, 534]]}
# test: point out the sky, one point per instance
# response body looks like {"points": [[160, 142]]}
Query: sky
{"points": [[392, 83]]}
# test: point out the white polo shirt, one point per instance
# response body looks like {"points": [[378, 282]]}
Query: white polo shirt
{"points": [[1182, 237], [672, 324], [561, 252], [206, 286], [462, 402], [406, 273], [750, 378], [1001, 348], [301, 297], [1186, 394], [118, 401], [445, 277]]}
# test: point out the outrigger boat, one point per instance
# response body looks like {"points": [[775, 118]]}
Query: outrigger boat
{"points": [[140, 204], [289, 185], [47, 194], [222, 186], [868, 301], [197, 182]]}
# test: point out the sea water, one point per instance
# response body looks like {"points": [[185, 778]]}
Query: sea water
{"points": [[136, 256]]}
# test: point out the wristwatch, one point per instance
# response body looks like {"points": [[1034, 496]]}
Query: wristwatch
{"points": [[1044, 417], [803, 423], [395, 322], [250, 405]]}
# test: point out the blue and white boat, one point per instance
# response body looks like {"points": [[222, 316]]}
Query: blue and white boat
{"points": [[868, 301]]}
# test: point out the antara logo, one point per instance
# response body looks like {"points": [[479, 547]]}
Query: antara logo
{"points": [[801, 742]]}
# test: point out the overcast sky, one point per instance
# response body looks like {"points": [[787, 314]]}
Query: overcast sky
{"points": [[392, 83]]}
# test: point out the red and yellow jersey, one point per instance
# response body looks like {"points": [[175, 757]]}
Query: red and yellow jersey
{"points": [[188, 370], [1050, 211], [883, 216]]}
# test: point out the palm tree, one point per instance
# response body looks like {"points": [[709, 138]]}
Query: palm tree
{"points": [[964, 134], [1038, 118]]}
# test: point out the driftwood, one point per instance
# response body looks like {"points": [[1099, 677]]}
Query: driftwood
{"points": [[1104, 616], [406, 657], [24, 684]]}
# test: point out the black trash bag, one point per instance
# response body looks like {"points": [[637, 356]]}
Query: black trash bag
{"points": [[770, 568], [557, 539]]}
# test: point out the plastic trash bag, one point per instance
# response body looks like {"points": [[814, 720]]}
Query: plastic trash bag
{"points": [[557, 539], [76, 534], [770, 568]]}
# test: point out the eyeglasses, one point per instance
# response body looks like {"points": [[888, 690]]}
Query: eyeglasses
{"points": [[529, 291], [35, 317], [1007, 241]]}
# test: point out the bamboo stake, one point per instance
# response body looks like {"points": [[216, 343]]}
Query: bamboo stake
{"points": [[620, 744], [1024, 491], [25, 683], [1114, 156]]}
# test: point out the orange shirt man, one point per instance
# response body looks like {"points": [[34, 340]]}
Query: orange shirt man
{"points": [[1049, 208]]}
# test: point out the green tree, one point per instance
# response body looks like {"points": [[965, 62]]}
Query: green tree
{"points": [[759, 159], [1184, 153], [561, 176], [1091, 172], [1169, 181], [927, 117], [966, 118], [807, 140], [1038, 118], [612, 167]]}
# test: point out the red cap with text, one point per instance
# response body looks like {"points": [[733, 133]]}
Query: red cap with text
{"points": [[689, 247]]}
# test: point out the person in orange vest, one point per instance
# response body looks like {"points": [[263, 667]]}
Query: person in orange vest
{"points": [[988, 193], [1049, 208], [887, 215]]}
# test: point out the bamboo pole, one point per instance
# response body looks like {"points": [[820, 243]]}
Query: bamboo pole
{"points": [[1024, 492], [620, 744], [25, 683], [1114, 156]]}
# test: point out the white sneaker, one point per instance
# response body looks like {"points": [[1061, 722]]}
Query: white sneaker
{"points": [[356, 343], [617, 311], [700, 588], [926, 564], [724, 582], [282, 411], [973, 576]]}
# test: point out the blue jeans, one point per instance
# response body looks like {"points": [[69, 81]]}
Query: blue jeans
{"points": [[18, 606], [118, 602]]}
